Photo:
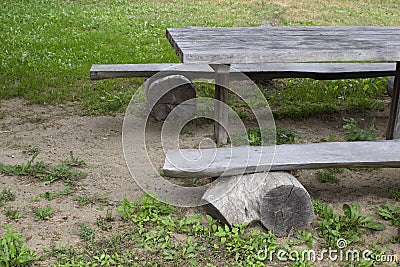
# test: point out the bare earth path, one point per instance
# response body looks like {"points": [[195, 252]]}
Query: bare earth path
{"points": [[97, 141]]}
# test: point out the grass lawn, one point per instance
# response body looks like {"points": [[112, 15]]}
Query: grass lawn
{"points": [[48, 46]]}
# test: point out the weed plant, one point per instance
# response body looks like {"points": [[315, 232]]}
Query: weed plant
{"points": [[349, 226], [13, 250], [266, 136], [46, 172], [394, 193], [43, 213], [13, 214], [6, 195], [352, 132]]}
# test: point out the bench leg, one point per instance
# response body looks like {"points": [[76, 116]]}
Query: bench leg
{"points": [[393, 131], [277, 199], [221, 110]]}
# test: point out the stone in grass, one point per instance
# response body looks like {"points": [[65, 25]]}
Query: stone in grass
{"points": [[276, 199]]}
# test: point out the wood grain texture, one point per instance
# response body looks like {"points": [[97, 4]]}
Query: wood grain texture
{"points": [[221, 105], [285, 44], [393, 131], [110, 71], [240, 160], [318, 71], [276, 199], [390, 85]]}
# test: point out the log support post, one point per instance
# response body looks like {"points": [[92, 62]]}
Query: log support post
{"points": [[393, 131], [164, 93], [276, 199], [221, 106]]}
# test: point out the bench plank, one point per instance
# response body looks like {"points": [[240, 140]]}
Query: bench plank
{"points": [[246, 159], [318, 71]]}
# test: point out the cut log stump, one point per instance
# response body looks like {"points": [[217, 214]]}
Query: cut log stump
{"points": [[164, 94], [276, 199]]}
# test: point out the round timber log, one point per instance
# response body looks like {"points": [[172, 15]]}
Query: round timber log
{"points": [[165, 93], [389, 86], [279, 201]]}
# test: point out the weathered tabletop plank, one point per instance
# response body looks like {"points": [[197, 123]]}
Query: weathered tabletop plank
{"points": [[239, 160], [285, 44]]}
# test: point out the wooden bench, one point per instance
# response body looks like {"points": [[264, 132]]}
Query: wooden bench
{"points": [[247, 192], [318, 71], [276, 198], [187, 163], [179, 74]]}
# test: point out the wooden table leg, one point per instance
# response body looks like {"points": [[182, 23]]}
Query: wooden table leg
{"points": [[220, 110], [393, 131]]}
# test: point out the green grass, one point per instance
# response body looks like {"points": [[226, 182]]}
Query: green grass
{"points": [[92, 199], [6, 195], [302, 98], [152, 233], [50, 196], [394, 193], [85, 232], [352, 132], [48, 47], [43, 213], [338, 12], [105, 223], [13, 250], [13, 214], [327, 176], [30, 150], [151, 240], [47, 173], [156, 234], [266, 136], [389, 212]]}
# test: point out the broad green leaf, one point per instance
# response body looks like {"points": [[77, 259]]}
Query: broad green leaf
{"points": [[377, 226]]}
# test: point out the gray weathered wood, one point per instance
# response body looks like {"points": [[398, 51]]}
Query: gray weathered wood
{"points": [[221, 105], [110, 71], [389, 86], [238, 160], [285, 44], [276, 199], [393, 131], [318, 71], [164, 94]]}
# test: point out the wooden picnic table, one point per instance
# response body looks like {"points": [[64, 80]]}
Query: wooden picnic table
{"points": [[220, 47]]}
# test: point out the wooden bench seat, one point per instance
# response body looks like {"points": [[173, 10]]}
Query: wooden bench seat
{"points": [[187, 162], [318, 71]]}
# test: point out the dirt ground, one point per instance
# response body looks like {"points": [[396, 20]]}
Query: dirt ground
{"points": [[97, 141]]}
